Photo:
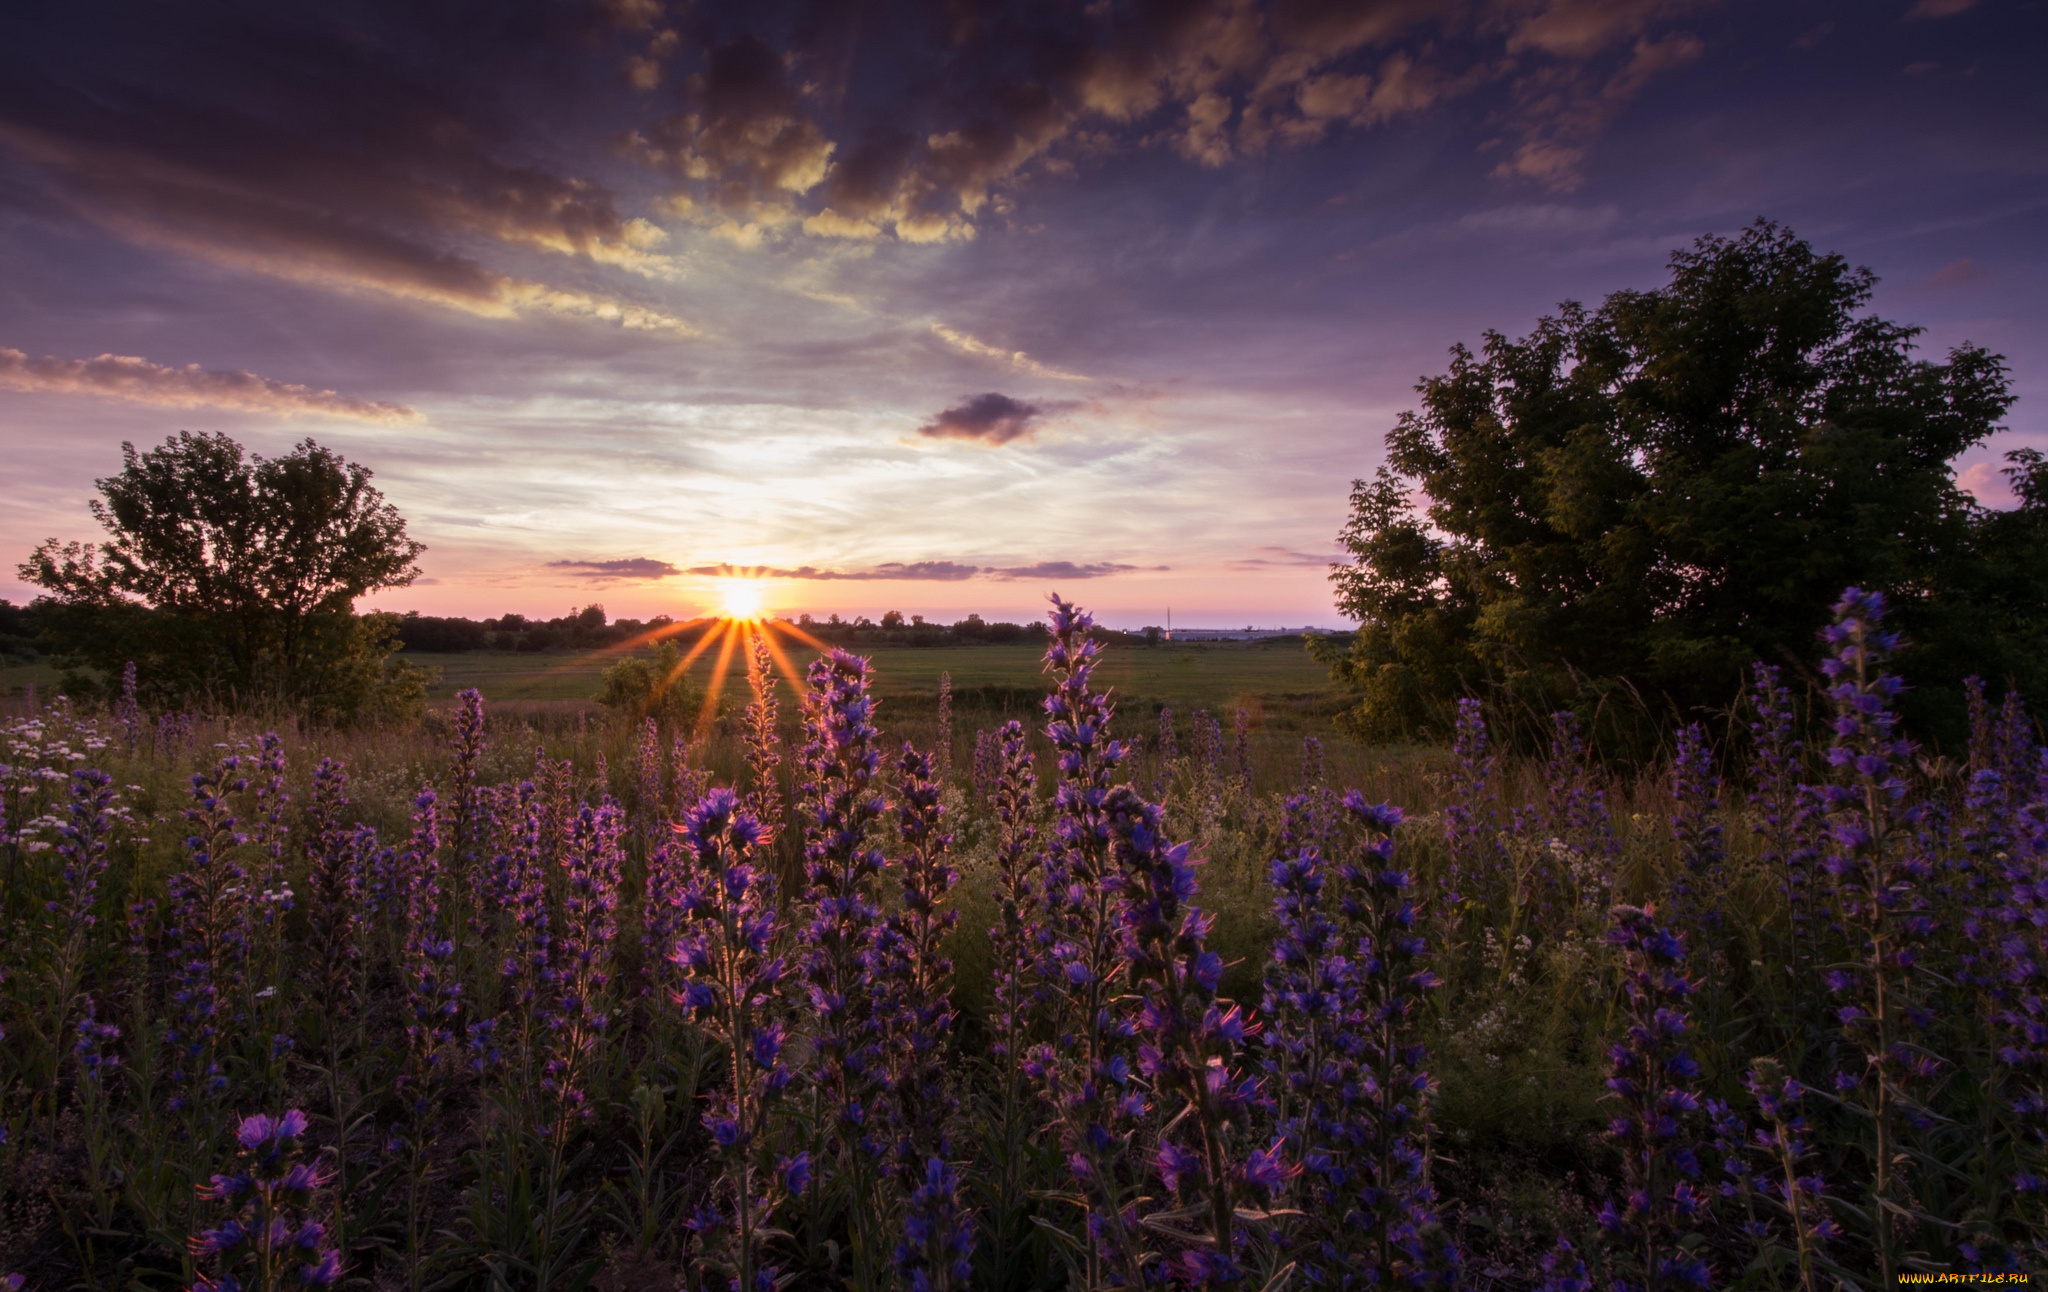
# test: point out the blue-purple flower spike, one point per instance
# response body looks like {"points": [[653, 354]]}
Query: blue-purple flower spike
{"points": [[1878, 873], [1655, 1083], [734, 978], [268, 1241]]}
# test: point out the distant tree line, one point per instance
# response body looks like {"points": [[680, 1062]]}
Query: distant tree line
{"points": [[585, 629], [590, 629]]}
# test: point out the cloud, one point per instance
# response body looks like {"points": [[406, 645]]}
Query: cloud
{"points": [[916, 571], [1017, 359], [745, 132], [1068, 570], [1271, 557], [636, 567], [1957, 273], [991, 418], [122, 376], [255, 227], [1005, 94], [1562, 105], [922, 571]]}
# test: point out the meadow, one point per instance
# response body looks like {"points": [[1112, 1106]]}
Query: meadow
{"points": [[1160, 982]]}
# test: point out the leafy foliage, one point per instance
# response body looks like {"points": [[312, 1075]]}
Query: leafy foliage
{"points": [[654, 685], [1649, 495], [231, 577]]}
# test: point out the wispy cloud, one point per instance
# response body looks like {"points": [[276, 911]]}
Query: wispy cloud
{"points": [[635, 567], [920, 571], [126, 376], [925, 571], [1938, 9], [1017, 359], [1067, 570], [1270, 557]]}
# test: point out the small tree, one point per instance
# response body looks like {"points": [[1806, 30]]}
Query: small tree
{"points": [[231, 577], [654, 685]]}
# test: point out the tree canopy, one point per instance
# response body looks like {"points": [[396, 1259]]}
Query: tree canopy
{"points": [[231, 576], [1648, 496]]}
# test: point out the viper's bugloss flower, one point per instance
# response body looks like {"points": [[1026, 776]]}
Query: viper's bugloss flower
{"points": [[431, 989], [1654, 1083], [578, 1007], [1188, 1038], [1470, 823], [82, 844], [334, 860], [1879, 873], [728, 955], [268, 1242], [1786, 814], [912, 974], [1077, 1069], [1345, 990], [209, 930], [841, 803], [1021, 938], [1695, 827]]}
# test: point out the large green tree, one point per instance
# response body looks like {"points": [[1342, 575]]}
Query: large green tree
{"points": [[231, 577], [1637, 501]]}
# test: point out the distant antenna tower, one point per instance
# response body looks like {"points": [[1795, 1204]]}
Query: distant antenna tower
{"points": [[1169, 623]]}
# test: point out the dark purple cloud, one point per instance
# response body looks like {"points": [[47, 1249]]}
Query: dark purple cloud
{"points": [[1069, 570], [990, 418], [916, 571], [636, 567]]}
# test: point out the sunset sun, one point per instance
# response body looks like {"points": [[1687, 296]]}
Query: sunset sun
{"points": [[739, 599]]}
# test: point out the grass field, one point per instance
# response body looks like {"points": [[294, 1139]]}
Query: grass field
{"points": [[1184, 675], [1275, 678]]}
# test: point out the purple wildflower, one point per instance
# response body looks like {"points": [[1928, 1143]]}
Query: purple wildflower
{"points": [[942, 761], [268, 1241], [580, 1008], [1794, 1186], [1471, 824], [128, 708], [842, 803], [334, 855], [1364, 1116], [82, 845], [1877, 875], [1654, 1080], [939, 1235], [1083, 1072], [431, 991], [528, 964], [1785, 814], [1189, 1039], [209, 931], [764, 743], [728, 953], [1695, 802]]}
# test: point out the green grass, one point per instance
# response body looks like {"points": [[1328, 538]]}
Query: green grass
{"points": [[15, 676], [1217, 676]]}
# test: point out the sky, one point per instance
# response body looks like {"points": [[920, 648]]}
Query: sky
{"points": [[937, 306]]}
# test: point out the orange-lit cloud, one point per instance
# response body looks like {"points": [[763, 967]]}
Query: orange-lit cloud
{"points": [[122, 376]]}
